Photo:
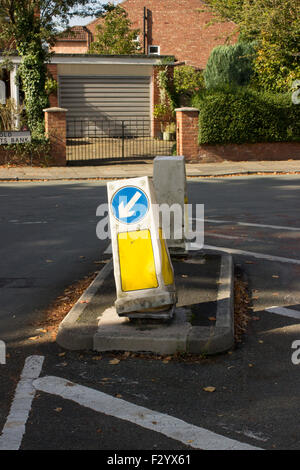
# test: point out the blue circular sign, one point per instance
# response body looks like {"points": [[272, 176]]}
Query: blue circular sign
{"points": [[129, 205]]}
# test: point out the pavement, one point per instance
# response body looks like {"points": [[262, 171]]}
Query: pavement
{"points": [[136, 169]]}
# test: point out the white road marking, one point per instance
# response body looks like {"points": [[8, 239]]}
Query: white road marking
{"points": [[274, 227], [28, 223], [188, 434], [14, 428], [253, 254], [287, 312], [108, 250]]}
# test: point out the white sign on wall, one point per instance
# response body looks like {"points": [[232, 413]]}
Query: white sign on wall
{"points": [[2, 92], [14, 137]]}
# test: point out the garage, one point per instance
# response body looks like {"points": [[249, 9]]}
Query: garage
{"points": [[105, 97], [109, 102]]}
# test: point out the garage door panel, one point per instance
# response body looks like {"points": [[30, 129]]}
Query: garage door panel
{"points": [[93, 96]]}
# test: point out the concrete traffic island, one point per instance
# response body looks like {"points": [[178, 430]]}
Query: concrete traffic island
{"points": [[203, 322], [154, 295]]}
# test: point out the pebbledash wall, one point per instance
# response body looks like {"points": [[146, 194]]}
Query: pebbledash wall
{"points": [[187, 145], [181, 28]]}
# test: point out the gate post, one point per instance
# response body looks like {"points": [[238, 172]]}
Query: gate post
{"points": [[187, 132], [56, 132]]}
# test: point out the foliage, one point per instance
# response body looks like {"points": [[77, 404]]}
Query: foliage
{"points": [[187, 80], [28, 27], [275, 26], [165, 109], [115, 35], [36, 152], [10, 114], [239, 115], [229, 65]]}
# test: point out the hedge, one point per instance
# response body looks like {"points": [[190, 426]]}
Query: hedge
{"points": [[244, 115]]}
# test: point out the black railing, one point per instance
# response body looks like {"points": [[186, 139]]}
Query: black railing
{"points": [[92, 140]]}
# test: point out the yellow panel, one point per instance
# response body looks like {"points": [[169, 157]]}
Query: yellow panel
{"points": [[137, 264], [167, 270]]}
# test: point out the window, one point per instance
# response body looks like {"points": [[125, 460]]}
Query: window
{"points": [[154, 50]]}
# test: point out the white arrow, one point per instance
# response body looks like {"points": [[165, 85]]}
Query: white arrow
{"points": [[125, 211]]}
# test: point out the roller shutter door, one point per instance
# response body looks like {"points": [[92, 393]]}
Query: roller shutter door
{"points": [[107, 98]]}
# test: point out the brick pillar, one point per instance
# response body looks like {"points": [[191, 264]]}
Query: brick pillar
{"points": [[187, 133], [56, 132]]}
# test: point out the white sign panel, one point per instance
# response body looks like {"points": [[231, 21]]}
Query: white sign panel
{"points": [[14, 137], [142, 267], [2, 92]]}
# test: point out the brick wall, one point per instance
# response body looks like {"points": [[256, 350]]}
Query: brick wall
{"points": [[187, 145], [178, 27]]}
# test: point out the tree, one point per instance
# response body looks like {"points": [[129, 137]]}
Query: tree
{"points": [[275, 26], [115, 35], [28, 27], [229, 65]]}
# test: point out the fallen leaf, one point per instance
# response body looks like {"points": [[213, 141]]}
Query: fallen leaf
{"points": [[118, 395], [61, 354], [209, 389], [58, 410], [260, 341], [250, 365], [97, 358], [184, 275], [114, 361], [212, 318], [84, 301], [275, 276], [99, 430], [33, 338]]}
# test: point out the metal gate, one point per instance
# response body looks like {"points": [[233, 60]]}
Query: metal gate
{"points": [[95, 141]]}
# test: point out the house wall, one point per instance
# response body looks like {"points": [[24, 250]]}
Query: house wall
{"points": [[179, 27], [68, 47]]}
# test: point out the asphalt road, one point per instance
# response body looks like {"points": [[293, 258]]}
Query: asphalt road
{"points": [[48, 240]]}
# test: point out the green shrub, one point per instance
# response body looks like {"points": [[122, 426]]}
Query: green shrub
{"points": [[229, 65], [36, 153], [243, 115], [187, 79]]}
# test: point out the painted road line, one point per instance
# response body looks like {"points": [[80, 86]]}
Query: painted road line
{"points": [[14, 428], [287, 312], [108, 250], [248, 224], [188, 434], [233, 251]]}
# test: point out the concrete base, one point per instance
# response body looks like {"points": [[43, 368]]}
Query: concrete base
{"points": [[202, 322]]}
